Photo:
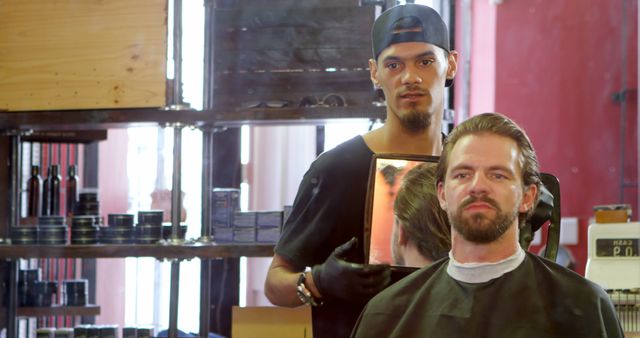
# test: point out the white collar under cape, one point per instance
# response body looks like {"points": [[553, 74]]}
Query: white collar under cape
{"points": [[483, 272]]}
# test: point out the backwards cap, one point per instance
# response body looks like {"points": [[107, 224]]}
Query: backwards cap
{"points": [[409, 23]]}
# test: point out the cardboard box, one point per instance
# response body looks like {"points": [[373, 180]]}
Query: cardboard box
{"points": [[224, 202], [271, 322], [612, 216], [612, 213]]}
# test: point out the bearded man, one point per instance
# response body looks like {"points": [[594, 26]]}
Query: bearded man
{"points": [[488, 183]]}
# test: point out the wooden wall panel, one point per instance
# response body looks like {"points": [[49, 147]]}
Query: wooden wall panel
{"points": [[82, 54]]}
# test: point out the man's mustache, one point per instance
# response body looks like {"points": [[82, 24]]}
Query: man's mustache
{"points": [[485, 199]]}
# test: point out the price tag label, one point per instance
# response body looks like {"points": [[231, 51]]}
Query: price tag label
{"points": [[618, 247]]}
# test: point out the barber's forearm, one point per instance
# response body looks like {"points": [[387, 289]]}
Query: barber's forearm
{"points": [[280, 287]]}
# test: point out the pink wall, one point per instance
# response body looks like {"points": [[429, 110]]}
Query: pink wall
{"points": [[114, 198], [557, 64], [483, 58]]}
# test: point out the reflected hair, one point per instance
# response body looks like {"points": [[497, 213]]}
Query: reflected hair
{"points": [[419, 214], [497, 124]]}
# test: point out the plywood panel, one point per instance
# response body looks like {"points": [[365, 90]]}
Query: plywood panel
{"points": [[82, 54]]}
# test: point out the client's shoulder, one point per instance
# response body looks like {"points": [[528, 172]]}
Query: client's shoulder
{"points": [[405, 289]]}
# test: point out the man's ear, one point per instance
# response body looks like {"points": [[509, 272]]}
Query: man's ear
{"points": [[452, 61], [528, 198], [373, 72], [441, 198]]}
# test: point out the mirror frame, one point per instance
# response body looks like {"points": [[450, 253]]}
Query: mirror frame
{"points": [[368, 216]]}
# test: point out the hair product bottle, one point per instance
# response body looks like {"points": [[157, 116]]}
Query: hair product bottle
{"points": [[72, 189], [46, 193], [51, 192], [34, 192]]}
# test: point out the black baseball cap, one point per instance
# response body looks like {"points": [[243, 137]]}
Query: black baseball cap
{"points": [[409, 23]]}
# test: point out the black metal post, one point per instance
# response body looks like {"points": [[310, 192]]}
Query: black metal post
{"points": [[14, 220], [173, 299]]}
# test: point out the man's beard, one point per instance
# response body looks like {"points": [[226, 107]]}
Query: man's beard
{"points": [[478, 227], [416, 121]]}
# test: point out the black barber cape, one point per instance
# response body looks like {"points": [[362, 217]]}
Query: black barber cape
{"points": [[537, 299]]}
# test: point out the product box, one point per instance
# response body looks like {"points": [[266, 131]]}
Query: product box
{"points": [[222, 235], [244, 219], [244, 235], [268, 225], [244, 227], [271, 322], [268, 219], [224, 202], [267, 235]]}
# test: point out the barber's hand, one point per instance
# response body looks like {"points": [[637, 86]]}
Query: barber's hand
{"points": [[337, 278]]}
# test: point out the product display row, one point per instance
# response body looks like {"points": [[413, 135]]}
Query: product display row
{"points": [[89, 229], [43, 197], [32, 291], [229, 224], [94, 331]]}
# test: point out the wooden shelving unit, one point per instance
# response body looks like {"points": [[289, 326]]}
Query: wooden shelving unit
{"points": [[101, 119], [183, 251], [58, 310]]}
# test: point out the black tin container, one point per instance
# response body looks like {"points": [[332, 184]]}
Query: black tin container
{"points": [[87, 208], [88, 196], [46, 332], [82, 222], [64, 332], [74, 292], [117, 235], [87, 204], [84, 240], [108, 331], [45, 291], [150, 217], [166, 232], [51, 220], [80, 331], [52, 235], [85, 235], [120, 220], [117, 232], [129, 332], [93, 332], [148, 230], [26, 286], [24, 235], [145, 332]]}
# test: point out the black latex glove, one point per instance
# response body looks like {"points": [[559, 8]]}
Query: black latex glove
{"points": [[338, 279]]}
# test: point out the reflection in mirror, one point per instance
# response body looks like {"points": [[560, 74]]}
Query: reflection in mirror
{"points": [[406, 226]]}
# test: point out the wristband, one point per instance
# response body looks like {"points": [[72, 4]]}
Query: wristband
{"points": [[304, 294]]}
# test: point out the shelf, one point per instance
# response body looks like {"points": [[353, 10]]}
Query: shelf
{"points": [[183, 251], [122, 118], [59, 310]]}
